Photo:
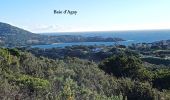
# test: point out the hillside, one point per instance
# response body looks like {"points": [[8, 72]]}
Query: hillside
{"points": [[11, 36]]}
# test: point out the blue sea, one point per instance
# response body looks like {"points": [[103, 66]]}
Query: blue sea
{"points": [[146, 36]]}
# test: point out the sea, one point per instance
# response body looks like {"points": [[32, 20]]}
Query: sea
{"points": [[140, 36]]}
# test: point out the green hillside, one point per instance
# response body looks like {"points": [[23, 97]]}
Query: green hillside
{"points": [[12, 36]]}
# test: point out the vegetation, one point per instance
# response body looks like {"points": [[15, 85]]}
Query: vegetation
{"points": [[126, 66], [132, 67], [24, 76], [28, 77]]}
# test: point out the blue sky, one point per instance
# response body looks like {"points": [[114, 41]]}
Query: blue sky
{"points": [[93, 15]]}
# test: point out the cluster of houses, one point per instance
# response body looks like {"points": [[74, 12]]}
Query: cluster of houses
{"points": [[164, 44]]}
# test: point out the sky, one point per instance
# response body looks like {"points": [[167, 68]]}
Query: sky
{"points": [[92, 15]]}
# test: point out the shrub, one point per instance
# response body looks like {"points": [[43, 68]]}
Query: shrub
{"points": [[125, 66]]}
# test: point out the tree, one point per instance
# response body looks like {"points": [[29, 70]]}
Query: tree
{"points": [[125, 66]]}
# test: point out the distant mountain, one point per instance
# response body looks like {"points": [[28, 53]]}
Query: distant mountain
{"points": [[11, 36]]}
